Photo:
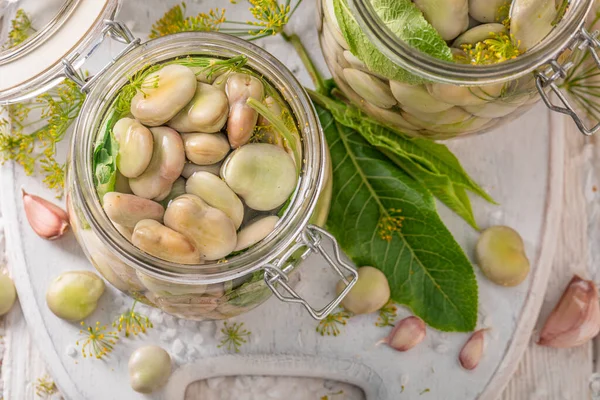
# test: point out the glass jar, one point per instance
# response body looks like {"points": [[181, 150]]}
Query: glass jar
{"points": [[459, 99], [220, 289]]}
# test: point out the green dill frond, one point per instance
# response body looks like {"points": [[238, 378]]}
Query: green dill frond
{"points": [[20, 29], [499, 48], [270, 18], [132, 322], [36, 148], [235, 336], [175, 21], [45, 387], [330, 325], [387, 315], [503, 14], [96, 341]]}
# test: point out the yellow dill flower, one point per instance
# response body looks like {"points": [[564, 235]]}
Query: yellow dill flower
{"points": [[389, 222], [175, 21], [330, 325], [499, 48], [33, 143], [96, 341], [20, 29], [387, 315], [235, 336], [45, 387], [270, 18], [132, 322]]}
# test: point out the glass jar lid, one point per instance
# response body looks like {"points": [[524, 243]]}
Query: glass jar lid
{"points": [[46, 34]]}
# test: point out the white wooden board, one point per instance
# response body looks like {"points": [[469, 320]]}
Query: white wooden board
{"points": [[521, 166]]}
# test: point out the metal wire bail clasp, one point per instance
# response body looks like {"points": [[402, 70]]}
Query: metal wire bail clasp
{"points": [[583, 41], [116, 30], [310, 240]]}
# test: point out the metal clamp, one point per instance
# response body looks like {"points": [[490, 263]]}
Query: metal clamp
{"points": [[116, 30], [310, 240], [583, 41]]}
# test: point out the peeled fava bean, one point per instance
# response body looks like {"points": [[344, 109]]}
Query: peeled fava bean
{"points": [[417, 97], [478, 34], [165, 166], [449, 17], [163, 94], [8, 294], [156, 239], [501, 256], [205, 148], [262, 174], [255, 231], [217, 194], [531, 21], [370, 88], [370, 292], [485, 10], [242, 118], [209, 228], [207, 112], [135, 147], [465, 96], [128, 209], [149, 369], [74, 295]]}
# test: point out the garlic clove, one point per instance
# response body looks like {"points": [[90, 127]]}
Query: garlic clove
{"points": [[407, 333], [472, 351], [575, 319], [46, 219]]}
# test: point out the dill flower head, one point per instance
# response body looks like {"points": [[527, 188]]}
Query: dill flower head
{"points": [[96, 341], [132, 322]]}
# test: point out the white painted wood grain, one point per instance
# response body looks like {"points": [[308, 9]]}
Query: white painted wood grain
{"points": [[563, 374]]}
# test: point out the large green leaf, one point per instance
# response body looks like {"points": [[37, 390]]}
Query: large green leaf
{"points": [[432, 164], [383, 217], [406, 21]]}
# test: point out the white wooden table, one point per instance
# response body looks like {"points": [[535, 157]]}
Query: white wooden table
{"points": [[543, 373]]}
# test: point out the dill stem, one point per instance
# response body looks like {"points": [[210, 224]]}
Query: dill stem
{"points": [[314, 73]]}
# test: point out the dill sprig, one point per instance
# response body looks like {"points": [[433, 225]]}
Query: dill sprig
{"points": [[270, 18], [19, 141], [499, 48], [20, 29], [503, 14], [132, 322], [45, 387], [96, 341], [389, 222], [387, 315], [175, 21], [330, 325], [582, 84], [235, 336]]}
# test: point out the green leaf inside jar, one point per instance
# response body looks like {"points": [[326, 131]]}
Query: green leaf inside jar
{"points": [[405, 20]]}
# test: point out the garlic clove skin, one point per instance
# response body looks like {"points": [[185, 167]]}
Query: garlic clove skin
{"points": [[575, 319], [407, 333], [472, 351], [46, 219]]}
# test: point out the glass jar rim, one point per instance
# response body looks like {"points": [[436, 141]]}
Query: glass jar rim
{"points": [[437, 70], [93, 112]]}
